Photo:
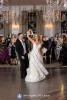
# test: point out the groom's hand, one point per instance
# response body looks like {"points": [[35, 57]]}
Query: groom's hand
{"points": [[23, 57]]}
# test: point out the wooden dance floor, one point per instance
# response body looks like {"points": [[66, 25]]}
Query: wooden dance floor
{"points": [[12, 87]]}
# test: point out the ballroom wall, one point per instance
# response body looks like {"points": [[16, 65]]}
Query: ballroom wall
{"points": [[15, 15]]}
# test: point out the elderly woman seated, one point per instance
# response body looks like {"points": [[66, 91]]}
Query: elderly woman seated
{"points": [[4, 55]]}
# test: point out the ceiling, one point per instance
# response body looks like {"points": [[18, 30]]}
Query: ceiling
{"points": [[53, 3], [24, 2], [31, 2]]}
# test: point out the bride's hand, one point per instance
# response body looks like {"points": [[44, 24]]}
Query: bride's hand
{"points": [[41, 36], [28, 33], [44, 50]]}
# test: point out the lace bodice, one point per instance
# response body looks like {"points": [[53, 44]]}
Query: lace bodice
{"points": [[36, 46]]}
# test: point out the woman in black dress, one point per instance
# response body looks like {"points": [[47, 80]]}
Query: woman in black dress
{"points": [[64, 50], [13, 56]]}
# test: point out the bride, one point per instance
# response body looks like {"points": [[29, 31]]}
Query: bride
{"points": [[36, 71]]}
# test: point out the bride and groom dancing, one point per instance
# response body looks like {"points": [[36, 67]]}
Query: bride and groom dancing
{"points": [[36, 70]]}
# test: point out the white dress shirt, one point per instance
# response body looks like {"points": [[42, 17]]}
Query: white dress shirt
{"points": [[24, 47]]}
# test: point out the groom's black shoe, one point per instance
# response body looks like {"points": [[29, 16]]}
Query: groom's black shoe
{"points": [[23, 75]]}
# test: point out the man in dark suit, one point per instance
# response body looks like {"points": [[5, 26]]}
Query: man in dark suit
{"points": [[22, 51], [47, 44]]}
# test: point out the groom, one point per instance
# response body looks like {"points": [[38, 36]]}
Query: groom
{"points": [[22, 51]]}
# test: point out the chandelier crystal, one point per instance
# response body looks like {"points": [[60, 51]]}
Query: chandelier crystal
{"points": [[53, 10], [1, 3], [65, 4]]}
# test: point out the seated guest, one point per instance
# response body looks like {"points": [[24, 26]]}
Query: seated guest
{"points": [[58, 48], [8, 39], [64, 50], [3, 41], [4, 55], [13, 56], [28, 42]]}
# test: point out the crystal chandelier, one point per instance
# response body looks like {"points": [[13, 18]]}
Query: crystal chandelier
{"points": [[1, 3], [53, 10], [55, 3], [65, 4]]}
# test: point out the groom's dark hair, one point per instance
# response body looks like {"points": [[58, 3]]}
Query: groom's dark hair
{"points": [[19, 34]]}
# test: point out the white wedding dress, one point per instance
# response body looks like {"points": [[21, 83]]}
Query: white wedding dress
{"points": [[36, 71]]}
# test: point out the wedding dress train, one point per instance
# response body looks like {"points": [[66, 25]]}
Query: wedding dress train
{"points": [[36, 71]]}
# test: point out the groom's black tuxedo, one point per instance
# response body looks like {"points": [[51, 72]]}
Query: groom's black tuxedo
{"points": [[23, 56]]}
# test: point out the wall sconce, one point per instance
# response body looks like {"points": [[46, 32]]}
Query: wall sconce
{"points": [[49, 25], [15, 28]]}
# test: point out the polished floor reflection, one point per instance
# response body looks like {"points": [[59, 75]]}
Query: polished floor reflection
{"points": [[54, 87]]}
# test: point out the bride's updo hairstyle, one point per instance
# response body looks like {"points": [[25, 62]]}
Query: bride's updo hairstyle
{"points": [[37, 37]]}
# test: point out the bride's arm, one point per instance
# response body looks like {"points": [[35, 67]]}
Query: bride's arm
{"points": [[30, 39], [41, 36]]}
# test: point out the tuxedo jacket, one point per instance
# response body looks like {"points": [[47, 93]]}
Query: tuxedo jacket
{"points": [[19, 48]]}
